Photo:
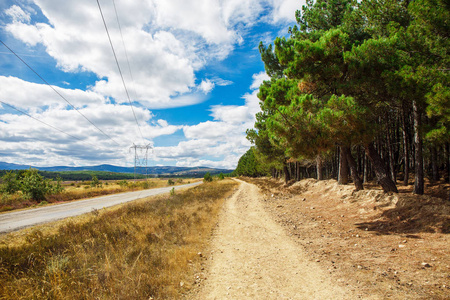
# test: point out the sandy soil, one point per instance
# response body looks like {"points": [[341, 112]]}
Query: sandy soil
{"points": [[381, 246], [253, 257]]}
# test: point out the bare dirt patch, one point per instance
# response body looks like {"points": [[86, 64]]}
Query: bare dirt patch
{"points": [[380, 245]]}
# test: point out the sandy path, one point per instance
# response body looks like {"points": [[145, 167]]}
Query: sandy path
{"points": [[253, 258]]}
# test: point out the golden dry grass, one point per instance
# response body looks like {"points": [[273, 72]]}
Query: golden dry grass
{"points": [[140, 250]]}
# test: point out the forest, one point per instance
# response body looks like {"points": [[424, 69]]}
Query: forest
{"points": [[358, 90]]}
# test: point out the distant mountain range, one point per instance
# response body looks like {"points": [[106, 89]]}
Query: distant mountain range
{"points": [[163, 170]]}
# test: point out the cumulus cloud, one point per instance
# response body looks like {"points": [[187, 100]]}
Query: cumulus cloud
{"points": [[285, 10], [245, 114], [166, 41], [223, 139], [17, 14], [167, 44], [28, 95], [206, 86], [258, 79], [77, 141]]}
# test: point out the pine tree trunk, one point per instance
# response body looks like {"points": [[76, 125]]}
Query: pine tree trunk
{"points": [[319, 166], [380, 170], [418, 176], [390, 148], [343, 168], [353, 169], [405, 149], [366, 170], [287, 176], [434, 164], [447, 161]]}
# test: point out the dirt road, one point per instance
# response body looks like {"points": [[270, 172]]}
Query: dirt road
{"points": [[21, 219], [253, 258]]}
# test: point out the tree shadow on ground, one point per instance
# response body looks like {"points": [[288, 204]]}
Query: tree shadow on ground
{"points": [[412, 215]]}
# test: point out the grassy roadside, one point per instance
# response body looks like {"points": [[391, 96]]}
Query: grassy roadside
{"points": [[146, 249]]}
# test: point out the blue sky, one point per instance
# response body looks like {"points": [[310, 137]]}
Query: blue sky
{"points": [[192, 75]]}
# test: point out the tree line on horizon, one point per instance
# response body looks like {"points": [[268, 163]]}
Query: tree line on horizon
{"points": [[357, 88]]}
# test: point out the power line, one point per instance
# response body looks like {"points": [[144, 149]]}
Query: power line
{"points": [[126, 56], [45, 81], [22, 112], [120, 71], [123, 43]]}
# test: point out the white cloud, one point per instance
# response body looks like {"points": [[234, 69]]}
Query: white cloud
{"points": [[33, 96], [258, 79], [245, 114], [285, 10], [221, 82], [17, 14], [29, 141], [206, 86], [167, 43], [223, 139]]}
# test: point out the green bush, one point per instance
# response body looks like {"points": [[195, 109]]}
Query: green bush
{"points": [[123, 183], [207, 177], [221, 176], [170, 182], [34, 186], [95, 182], [11, 183], [57, 188]]}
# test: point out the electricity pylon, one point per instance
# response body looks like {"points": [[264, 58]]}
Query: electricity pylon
{"points": [[141, 157]]}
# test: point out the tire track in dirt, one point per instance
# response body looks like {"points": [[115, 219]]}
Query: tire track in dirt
{"points": [[253, 258]]}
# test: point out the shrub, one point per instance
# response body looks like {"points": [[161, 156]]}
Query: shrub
{"points": [[123, 183], [11, 184], [57, 188], [221, 176], [170, 182], [145, 184], [34, 186], [95, 182], [207, 177]]}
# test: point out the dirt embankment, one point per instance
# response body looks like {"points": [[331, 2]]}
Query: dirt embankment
{"points": [[394, 246]]}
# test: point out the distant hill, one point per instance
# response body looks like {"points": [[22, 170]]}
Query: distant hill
{"points": [[7, 166], [161, 170]]}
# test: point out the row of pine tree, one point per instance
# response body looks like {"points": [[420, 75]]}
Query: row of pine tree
{"points": [[360, 89]]}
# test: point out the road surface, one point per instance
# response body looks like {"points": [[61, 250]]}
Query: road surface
{"points": [[17, 220]]}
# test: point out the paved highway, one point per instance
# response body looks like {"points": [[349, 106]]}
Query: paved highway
{"points": [[17, 220]]}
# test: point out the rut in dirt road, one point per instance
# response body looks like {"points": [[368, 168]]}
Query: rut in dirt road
{"points": [[253, 258]]}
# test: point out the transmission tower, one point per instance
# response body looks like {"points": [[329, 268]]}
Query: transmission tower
{"points": [[141, 158]]}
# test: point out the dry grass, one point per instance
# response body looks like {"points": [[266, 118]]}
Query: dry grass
{"points": [[146, 249]]}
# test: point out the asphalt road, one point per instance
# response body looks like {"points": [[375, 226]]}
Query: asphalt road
{"points": [[17, 220]]}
